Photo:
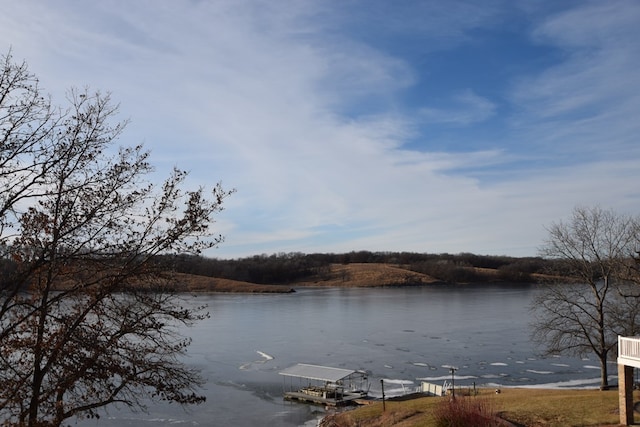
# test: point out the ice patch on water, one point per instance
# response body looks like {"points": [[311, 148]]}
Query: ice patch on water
{"points": [[406, 386], [533, 371], [152, 420], [393, 392], [447, 378], [395, 381], [264, 355], [575, 384], [314, 422], [265, 358]]}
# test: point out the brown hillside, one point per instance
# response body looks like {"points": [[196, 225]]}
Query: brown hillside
{"points": [[181, 282], [368, 275], [194, 283], [337, 275]]}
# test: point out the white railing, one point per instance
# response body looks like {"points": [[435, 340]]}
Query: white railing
{"points": [[629, 347]]}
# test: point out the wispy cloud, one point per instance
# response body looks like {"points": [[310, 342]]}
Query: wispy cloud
{"points": [[467, 108], [312, 112], [585, 102]]}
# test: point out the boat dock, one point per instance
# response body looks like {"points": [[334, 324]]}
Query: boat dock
{"points": [[324, 385]]}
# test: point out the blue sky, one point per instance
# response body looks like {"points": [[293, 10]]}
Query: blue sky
{"points": [[425, 126]]}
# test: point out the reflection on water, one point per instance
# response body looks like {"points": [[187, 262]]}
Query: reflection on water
{"points": [[400, 335]]}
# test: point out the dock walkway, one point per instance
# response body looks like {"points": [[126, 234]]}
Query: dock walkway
{"points": [[319, 400]]}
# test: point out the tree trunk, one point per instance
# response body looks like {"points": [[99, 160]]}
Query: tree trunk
{"points": [[604, 376]]}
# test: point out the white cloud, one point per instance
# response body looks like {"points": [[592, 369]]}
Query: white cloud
{"points": [[304, 116]]}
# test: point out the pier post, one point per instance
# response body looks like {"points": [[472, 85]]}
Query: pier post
{"points": [[625, 394], [453, 382]]}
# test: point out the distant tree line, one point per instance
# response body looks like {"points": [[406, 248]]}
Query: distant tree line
{"points": [[285, 268]]}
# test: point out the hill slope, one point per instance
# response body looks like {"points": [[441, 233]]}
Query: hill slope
{"points": [[195, 283], [336, 275], [368, 275]]}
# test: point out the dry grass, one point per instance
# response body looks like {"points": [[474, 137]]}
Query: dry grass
{"points": [[337, 275], [522, 407], [560, 407], [194, 283], [369, 275]]}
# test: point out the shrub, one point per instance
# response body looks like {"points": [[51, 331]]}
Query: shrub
{"points": [[465, 412]]}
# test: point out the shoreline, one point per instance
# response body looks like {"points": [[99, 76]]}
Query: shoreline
{"points": [[354, 275]]}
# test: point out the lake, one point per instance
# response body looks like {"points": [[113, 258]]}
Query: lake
{"points": [[400, 335]]}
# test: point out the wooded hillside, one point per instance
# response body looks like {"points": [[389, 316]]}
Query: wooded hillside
{"points": [[354, 269]]}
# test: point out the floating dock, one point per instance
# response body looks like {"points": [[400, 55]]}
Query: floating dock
{"points": [[324, 385]]}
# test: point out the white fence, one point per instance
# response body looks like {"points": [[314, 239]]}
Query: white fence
{"points": [[629, 348], [432, 389]]}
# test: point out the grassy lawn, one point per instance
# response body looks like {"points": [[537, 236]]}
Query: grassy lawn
{"points": [[523, 407]]}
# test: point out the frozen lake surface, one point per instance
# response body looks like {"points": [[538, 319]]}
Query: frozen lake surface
{"points": [[401, 335]]}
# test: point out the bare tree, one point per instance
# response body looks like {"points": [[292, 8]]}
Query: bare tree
{"points": [[588, 303], [86, 318]]}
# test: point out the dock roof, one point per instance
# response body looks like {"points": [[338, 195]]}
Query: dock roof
{"points": [[318, 373]]}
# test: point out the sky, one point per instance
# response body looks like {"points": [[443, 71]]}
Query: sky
{"points": [[431, 126]]}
